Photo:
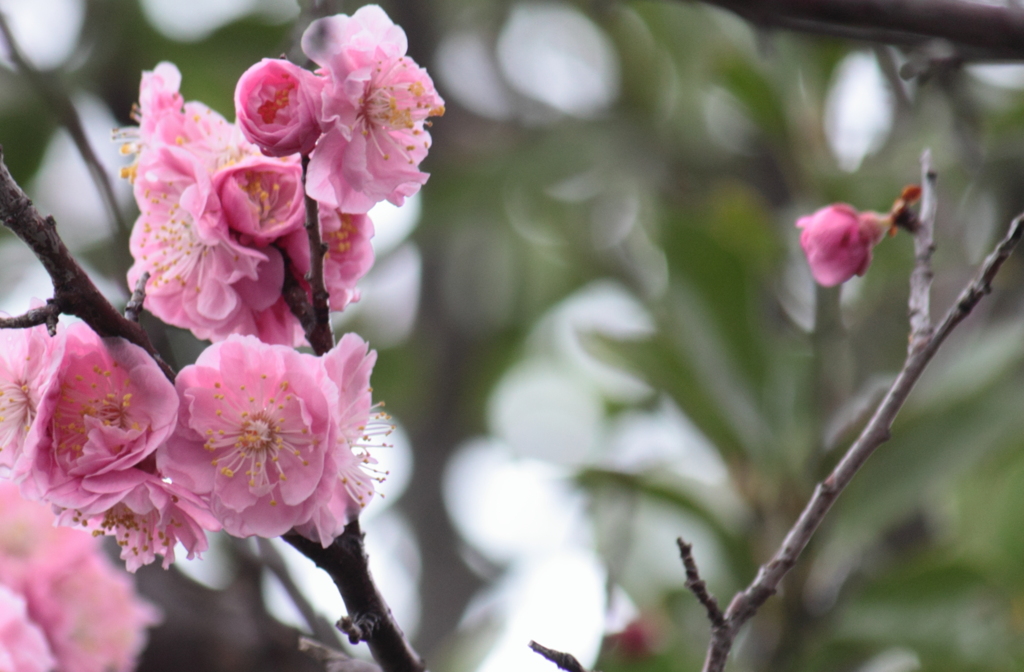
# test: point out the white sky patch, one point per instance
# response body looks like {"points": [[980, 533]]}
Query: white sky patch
{"points": [[386, 313], [602, 307], [858, 111], [1003, 75], [192, 20], [558, 601], [542, 410], [31, 281], [552, 53], [393, 224], [666, 439], [510, 508], [469, 73], [214, 569], [46, 30]]}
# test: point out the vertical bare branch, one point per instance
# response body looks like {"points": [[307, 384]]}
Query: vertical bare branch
{"points": [[320, 335], [346, 562], [924, 247]]}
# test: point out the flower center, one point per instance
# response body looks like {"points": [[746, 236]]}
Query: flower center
{"points": [[270, 107]]}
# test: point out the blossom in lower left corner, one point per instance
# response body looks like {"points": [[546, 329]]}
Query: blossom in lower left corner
{"points": [[23, 647], [86, 609]]}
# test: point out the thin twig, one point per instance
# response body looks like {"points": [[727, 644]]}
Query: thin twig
{"points": [[42, 315], [295, 296], [274, 561], [60, 103], [73, 291], [977, 31], [746, 603], [924, 247], [320, 336], [565, 661], [346, 562], [696, 585], [134, 307]]}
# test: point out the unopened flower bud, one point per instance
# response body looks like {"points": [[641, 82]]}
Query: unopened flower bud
{"points": [[277, 104], [838, 241]]}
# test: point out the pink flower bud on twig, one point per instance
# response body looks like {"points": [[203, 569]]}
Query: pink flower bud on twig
{"points": [[838, 241]]}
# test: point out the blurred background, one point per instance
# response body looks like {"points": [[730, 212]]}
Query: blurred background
{"points": [[597, 333]]}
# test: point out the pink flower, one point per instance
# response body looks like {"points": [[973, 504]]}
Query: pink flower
{"points": [[253, 435], [345, 376], [158, 97], [29, 542], [277, 105], [150, 520], [349, 253], [107, 410], [27, 365], [87, 611], [23, 646], [261, 199], [838, 240], [375, 106], [200, 277], [166, 121], [90, 613]]}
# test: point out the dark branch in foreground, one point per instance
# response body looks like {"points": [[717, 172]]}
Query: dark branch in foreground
{"points": [[976, 31], [564, 661], [746, 603], [43, 315], [73, 291], [346, 563], [696, 585]]}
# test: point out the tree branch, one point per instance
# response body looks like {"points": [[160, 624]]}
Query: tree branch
{"points": [[564, 661], [73, 291], [134, 307], [64, 109], [346, 562], [924, 247], [320, 335], [43, 315], [696, 585], [746, 603], [978, 31]]}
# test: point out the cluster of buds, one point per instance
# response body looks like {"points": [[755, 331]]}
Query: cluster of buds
{"points": [[223, 206]]}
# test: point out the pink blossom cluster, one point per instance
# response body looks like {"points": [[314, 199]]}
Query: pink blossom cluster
{"points": [[253, 438], [222, 206], [63, 606]]}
